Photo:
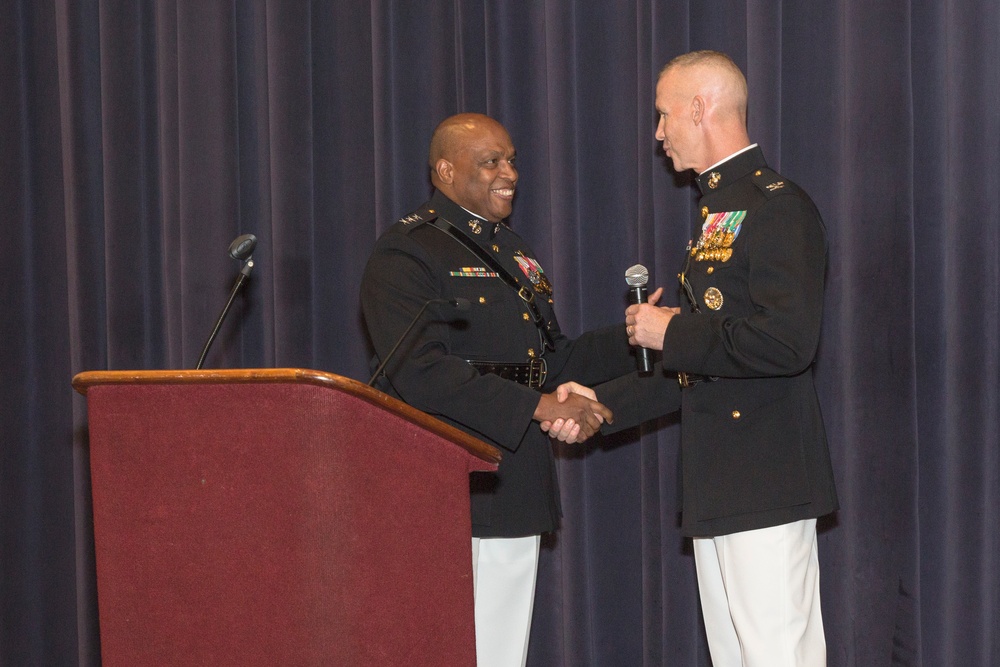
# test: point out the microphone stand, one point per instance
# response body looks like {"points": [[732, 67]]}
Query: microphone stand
{"points": [[416, 318], [458, 303], [240, 281]]}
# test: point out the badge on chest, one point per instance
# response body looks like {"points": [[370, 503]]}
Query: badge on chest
{"points": [[472, 272], [533, 272], [717, 235]]}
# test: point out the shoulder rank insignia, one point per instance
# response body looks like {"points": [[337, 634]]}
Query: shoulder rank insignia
{"points": [[717, 236], [533, 272], [423, 214], [777, 185]]}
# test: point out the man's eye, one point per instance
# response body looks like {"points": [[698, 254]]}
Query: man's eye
{"points": [[512, 161]]}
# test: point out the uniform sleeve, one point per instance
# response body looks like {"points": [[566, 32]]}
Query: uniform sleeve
{"points": [[638, 398], [787, 263], [596, 356], [399, 279]]}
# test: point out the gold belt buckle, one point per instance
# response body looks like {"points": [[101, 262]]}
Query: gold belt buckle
{"points": [[682, 379], [537, 370]]}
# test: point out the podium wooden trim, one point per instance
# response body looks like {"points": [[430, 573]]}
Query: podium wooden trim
{"points": [[277, 516], [82, 382]]}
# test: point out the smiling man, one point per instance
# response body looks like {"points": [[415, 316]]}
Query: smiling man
{"points": [[485, 369]]}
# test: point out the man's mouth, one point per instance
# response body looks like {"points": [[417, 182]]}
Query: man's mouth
{"points": [[504, 193]]}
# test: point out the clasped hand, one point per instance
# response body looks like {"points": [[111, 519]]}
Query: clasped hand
{"points": [[581, 411], [566, 429], [645, 325]]}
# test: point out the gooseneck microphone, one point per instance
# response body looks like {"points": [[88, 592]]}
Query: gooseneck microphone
{"points": [[636, 278], [242, 249], [458, 303]]}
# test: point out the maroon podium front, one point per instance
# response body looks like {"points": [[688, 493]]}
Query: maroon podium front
{"points": [[277, 517]]}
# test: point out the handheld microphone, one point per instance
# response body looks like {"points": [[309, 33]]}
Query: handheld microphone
{"points": [[636, 278], [242, 249], [458, 303]]}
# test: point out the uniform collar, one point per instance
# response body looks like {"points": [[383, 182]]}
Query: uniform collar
{"points": [[731, 169], [472, 225]]}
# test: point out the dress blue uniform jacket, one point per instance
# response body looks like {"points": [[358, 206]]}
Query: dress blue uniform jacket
{"points": [[414, 262], [753, 447]]}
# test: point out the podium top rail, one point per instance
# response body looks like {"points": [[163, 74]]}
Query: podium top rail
{"points": [[83, 382]]}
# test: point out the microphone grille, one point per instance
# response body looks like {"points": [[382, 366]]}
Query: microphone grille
{"points": [[636, 276]]}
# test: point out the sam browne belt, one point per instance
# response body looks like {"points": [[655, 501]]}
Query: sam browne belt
{"points": [[531, 374], [523, 292]]}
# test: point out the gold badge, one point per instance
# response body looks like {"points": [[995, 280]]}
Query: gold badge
{"points": [[475, 226], [713, 298], [717, 236], [704, 212], [713, 179]]}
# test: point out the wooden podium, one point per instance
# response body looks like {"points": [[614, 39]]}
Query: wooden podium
{"points": [[277, 517]]}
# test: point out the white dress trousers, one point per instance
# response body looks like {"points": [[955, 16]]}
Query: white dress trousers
{"points": [[760, 597], [503, 578]]}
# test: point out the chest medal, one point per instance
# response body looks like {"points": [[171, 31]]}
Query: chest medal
{"points": [[533, 272], [717, 235]]}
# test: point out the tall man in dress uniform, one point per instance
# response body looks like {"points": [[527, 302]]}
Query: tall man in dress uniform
{"points": [[756, 469], [485, 370]]}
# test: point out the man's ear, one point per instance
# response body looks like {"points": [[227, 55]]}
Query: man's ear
{"points": [[445, 171], [697, 109]]}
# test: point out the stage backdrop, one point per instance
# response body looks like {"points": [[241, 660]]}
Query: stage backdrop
{"points": [[137, 139]]}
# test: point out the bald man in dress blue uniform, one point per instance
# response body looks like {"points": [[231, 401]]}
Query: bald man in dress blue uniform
{"points": [[738, 364], [486, 370]]}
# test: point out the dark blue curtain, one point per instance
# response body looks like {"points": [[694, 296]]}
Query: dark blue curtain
{"points": [[137, 139]]}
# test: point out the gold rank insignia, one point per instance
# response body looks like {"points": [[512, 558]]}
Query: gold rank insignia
{"points": [[717, 235], [475, 226], [713, 298], [533, 272], [713, 179]]}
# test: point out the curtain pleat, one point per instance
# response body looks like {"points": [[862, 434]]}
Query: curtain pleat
{"points": [[138, 139]]}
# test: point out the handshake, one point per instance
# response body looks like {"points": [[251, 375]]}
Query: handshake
{"points": [[572, 412]]}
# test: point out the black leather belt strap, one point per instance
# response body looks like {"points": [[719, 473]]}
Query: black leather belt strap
{"points": [[526, 294], [531, 374]]}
